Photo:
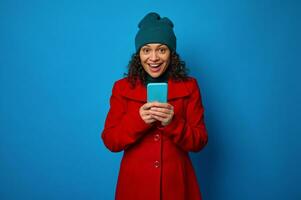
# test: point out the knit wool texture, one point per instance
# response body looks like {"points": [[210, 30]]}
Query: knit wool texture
{"points": [[154, 29]]}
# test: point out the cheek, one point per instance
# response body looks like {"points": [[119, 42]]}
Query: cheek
{"points": [[164, 68], [142, 61], [167, 62], [143, 58], [144, 66], [167, 59]]}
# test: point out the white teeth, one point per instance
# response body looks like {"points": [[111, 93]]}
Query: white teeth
{"points": [[156, 65]]}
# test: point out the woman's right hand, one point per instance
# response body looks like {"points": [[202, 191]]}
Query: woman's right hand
{"points": [[145, 115]]}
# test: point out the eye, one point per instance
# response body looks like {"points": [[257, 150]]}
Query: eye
{"points": [[145, 50], [162, 50]]}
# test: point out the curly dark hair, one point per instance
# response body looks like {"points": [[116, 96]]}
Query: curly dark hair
{"points": [[176, 70]]}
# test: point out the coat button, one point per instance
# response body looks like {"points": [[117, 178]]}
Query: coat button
{"points": [[157, 164], [157, 137]]}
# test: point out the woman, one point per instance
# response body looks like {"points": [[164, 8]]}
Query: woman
{"points": [[156, 137]]}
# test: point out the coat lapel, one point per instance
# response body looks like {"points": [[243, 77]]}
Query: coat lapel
{"points": [[137, 93], [176, 89]]}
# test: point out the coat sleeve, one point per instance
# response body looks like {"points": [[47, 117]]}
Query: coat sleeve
{"points": [[189, 132], [122, 128]]}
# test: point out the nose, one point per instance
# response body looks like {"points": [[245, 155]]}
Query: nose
{"points": [[154, 56]]}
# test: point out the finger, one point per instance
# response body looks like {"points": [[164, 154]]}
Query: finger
{"points": [[163, 110], [162, 105], [146, 112], [161, 119], [160, 114], [169, 106], [150, 121], [158, 104], [147, 117], [147, 106]]}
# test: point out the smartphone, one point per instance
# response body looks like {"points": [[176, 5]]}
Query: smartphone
{"points": [[157, 92]]}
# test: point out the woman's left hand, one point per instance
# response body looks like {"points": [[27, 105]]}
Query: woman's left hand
{"points": [[162, 112]]}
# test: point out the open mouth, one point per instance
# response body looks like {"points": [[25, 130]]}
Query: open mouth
{"points": [[155, 67]]}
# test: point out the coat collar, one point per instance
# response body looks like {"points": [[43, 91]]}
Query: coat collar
{"points": [[176, 89]]}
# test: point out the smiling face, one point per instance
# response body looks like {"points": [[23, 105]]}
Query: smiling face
{"points": [[154, 58]]}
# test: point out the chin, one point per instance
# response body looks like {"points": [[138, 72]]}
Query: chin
{"points": [[155, 75]]}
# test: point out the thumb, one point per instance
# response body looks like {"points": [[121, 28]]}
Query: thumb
{"points": [[147, 106]]}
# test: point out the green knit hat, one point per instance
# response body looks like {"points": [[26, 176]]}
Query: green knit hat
{"points": [[154, 29]]}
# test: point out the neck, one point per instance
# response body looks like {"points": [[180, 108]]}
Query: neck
{"points": [[162, 78]]}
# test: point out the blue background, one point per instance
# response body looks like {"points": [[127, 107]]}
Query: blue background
{"points": [[59, 59]]}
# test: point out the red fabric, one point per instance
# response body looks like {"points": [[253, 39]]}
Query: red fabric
{"points": [[156, 163]]}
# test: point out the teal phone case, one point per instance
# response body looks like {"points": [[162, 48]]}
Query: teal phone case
{"points": [[157, 92]]}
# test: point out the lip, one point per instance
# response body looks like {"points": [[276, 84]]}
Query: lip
{"points": [[158, 64], [155, 69]]}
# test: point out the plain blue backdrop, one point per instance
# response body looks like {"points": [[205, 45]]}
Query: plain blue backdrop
{"points": [[59, 59]]}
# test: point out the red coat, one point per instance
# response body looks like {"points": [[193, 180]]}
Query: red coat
{"points": [[156, 163]]}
